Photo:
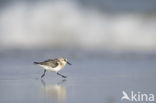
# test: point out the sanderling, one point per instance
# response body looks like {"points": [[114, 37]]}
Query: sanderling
{"points": [[53, 65]]}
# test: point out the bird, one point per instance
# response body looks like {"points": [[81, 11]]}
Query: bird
{"points": [[53, 65], [125, 96]]}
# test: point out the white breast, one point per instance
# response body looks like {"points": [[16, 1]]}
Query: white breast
{"points": [[48, 68]]}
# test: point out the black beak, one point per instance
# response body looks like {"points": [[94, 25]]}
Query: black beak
{"points": [[69, 63]]}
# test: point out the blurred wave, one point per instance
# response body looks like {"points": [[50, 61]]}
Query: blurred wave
{"points": [[69, 24]]}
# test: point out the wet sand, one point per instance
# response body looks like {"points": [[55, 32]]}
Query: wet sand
{"points": [[100, 80]]}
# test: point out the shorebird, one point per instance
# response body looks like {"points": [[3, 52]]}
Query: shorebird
{"points": [[53, 65]]}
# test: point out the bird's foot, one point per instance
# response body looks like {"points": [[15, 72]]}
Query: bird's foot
{"points": [[64, 76], [42, 76]]}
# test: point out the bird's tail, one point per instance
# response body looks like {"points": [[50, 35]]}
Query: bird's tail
{"points": [[36, 63]]}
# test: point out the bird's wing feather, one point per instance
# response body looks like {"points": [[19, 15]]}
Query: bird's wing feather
{"points": [[50, 62]]}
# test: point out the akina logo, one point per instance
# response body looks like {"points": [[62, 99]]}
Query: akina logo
{"points": [[137, 96]]}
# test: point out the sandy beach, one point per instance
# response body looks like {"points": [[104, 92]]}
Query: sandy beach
{"points": [[89, 79]]}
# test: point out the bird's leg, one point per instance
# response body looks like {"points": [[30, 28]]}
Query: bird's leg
{"points": [[61, 75], [43, 74]]}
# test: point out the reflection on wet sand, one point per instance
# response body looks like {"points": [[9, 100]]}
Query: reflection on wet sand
{"points": [[54, 92]]}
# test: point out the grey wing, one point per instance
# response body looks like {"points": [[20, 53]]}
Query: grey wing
{"points": [[50, 62]]}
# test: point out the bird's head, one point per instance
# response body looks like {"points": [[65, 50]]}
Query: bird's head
{"points": [[64, 60]]}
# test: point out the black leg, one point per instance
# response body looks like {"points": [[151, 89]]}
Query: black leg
{"points": [[61, 75], [43, 74]]}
